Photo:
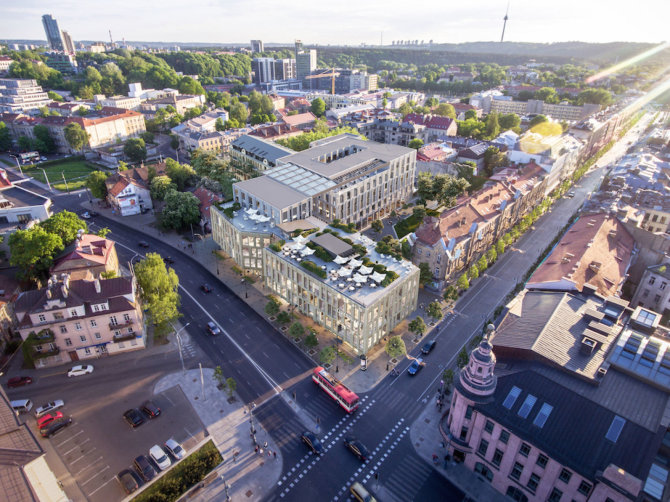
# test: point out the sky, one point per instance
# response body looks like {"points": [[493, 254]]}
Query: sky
{"points": [[342, 22]]}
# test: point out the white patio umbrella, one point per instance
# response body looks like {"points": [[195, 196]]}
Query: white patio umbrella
{"points": [[365, 270], [340, 260], [360, 279], [377, 277], [344, 272], [355, 263]]}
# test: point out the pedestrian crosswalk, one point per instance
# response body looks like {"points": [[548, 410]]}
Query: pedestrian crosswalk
{"points": [[405, 479]]}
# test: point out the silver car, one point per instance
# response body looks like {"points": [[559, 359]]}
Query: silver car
{"points": [[49, 407], [175, 449], [160, 457]]}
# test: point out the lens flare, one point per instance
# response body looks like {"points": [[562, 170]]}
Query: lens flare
{"points": [[627, 62]]}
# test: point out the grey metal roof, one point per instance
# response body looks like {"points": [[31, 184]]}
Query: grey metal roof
{"points": [[315, 157], [20, 197], [300, 179], [271, 191], [334, 245], [574, 433], [261, 148]]}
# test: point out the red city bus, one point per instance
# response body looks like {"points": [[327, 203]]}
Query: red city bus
{"points": [[335, 389]]}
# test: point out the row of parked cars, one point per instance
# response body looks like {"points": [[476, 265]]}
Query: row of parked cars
{"points": [[135, 416], [145, 469]]}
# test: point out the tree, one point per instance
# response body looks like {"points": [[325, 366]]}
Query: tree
{"points": [[473, 271], [416, 143], [395, 347], [493, 158], [218, 376], [311, 340], [75, 136], [432, 102], [547, 94], [42, 134], [327, 355], [446, 110], [405, 109], [434, 310], [103, 232], [600, 97], [491, 255], [482, 264], [219, 125], [451, 293], [272, 307], [65, 225], [135, 149], [470, 115], [231, 384], [425, 275], [239, 113], [448, 379], [147, 136], [25, 143], [33, 251], [180, 174], [417, 326], [5, 137], [318, 107], [55, 96], [123, 166], [158, 289], [492, 126], [160, 186], [296, 330], [500, 247], [463, 282], [181, 210], [509, 121], [462, 358], [377, 226], [188, 85], [536, 120], [96, 184], [174, 141]]}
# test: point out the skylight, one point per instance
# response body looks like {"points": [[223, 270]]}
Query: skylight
{"points": [[511, 397], [543, 415], [615, 428], [645, 317], [527, 405]]}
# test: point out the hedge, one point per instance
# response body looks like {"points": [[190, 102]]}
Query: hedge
{"points": [[314, 268], [183, 476]]}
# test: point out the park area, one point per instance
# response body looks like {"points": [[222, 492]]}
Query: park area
{"points": [[66, 174]]}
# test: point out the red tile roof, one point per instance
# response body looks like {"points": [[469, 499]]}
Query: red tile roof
{"points": [[430, 121], [299, 119], [206, 198], [90, 247]]}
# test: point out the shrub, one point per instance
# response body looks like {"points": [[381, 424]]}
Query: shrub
{"points": [[311, 340], [272, 307], [314, 268], [283, 318]]}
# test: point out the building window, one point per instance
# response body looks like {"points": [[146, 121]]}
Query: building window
{"points": [[652, 280], [96, 308], [516, 470], [663, 285], [113, 321], [41, 318], [525, 449], [58, 315], [94, 323], [533, 481], [645, 293], [657, 298], [504, 436], [97, 336], [516, 494], [87, 351], [484, 471], [488, 427], [73, 313], [464, 433], [497, 457], [130, 329], [565, 476], [77, 326], [584, 488], [68, 342], [63, 329], [82, 338], [126, 317], [468, 412], [542, 460], [483, 447], [555, 495]]}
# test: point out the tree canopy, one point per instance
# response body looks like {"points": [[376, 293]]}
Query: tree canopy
{"points": [[318, 107], [75, 136], [180, 174], [441, 187], [33, 251], [96, 184], [302, 141], [135, 149], [160, 186], [181, 210], [395, 347], [65, 225], [158, 289]]}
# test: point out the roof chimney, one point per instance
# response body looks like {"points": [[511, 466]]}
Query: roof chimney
{"points": [[96, 283], [64, 290]]}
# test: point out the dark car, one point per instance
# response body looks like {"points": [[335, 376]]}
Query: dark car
{"points": [[133, 417], [129, 480], [356, 447], [416, 365], [144, 467], [143, 244], [428, 346], [213, 329], [312, 442], [55, 426], [93, 213], [205, 288], [150, 408], [19, 381], [168, 260]]}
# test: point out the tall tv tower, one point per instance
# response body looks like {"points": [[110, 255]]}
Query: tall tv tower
{"points": [[505, 22]]}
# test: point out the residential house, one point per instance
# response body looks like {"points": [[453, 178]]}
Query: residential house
{"points": [[86, 258], [436, 127], [261, 154], [475, 153], [129, 191], [301, 121], [207, 199], [73, 320], [653, 292]]}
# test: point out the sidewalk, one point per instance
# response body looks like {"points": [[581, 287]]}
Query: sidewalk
{"points": [[247, 475]]}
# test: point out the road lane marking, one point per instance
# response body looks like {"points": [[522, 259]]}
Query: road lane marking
{"points": [[77, 446], [92, 464], [102, 486], [95, 475], [70, 438], [83, 456]]}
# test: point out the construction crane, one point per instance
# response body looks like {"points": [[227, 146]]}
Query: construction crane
{"points": [[332, 75]]}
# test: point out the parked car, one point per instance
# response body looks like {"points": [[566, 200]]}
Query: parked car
{"points": [[205, 288], [174, 449], [48, 418], [86, 215], [143, 244], [19, 381], [93, 213], [133, 417], [43, 159], [416, 365], [144, 468], [80, 370], [55, 427], [168, 260], [49, 407], [360, 493], [213, 329], [428, 347], [129, 480], [312, 442], [150, 408], [356, 447], [159, 456], [570, 194]]}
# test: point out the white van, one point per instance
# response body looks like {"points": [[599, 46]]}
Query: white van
{"points": [[22, 405]]}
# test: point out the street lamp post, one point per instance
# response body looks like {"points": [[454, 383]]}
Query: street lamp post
{"points": [[181, 355], [18, 164]]}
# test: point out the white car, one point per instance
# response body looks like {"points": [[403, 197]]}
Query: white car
{"points": [[80, 370], [174, 449], [86, 215], [160, 457], [46, 408]]}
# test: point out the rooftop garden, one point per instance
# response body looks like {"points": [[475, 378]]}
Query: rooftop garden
{"points": [[228, 211], [319, 252], [389, 246], [350, 228], [276, 246], [314, 268]]}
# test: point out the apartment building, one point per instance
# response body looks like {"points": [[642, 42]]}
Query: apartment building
{"points": [[125, 102], [264, 70], [259, 153], [653, 292], [565, 401], [21, 96], [20, 205], [73, 320], [86, 258], [460, 235]]}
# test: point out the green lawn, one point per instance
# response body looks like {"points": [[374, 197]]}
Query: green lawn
{"points": [[8, 162], [407, 226], [74, 171]]}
